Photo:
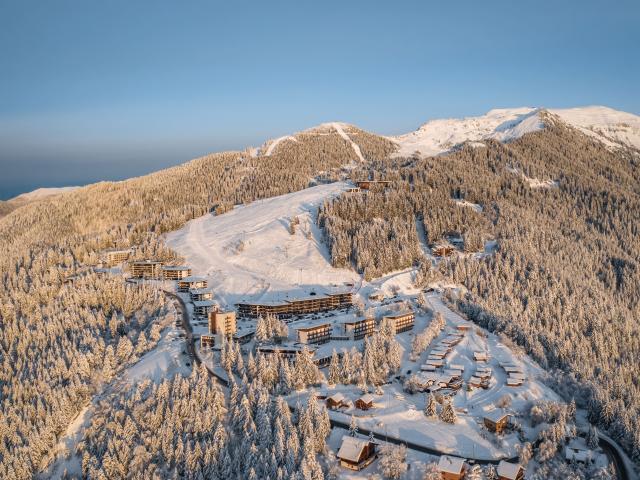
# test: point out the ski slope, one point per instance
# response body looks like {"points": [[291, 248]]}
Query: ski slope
{"points": [[611, 127], [249, 253]]}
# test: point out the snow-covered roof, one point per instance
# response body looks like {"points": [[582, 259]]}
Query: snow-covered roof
{"points": [[337, 397], [204, 303], [350, 321], [496, 415], [367, 398], [517, 375], [175, 268], [448, 464], [508, 470], [193, 279], [199, 291], [398, 314], [351, 448]]}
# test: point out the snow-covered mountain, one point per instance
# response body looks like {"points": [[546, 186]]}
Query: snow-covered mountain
{"points": [[8, 206], [612, 127]]}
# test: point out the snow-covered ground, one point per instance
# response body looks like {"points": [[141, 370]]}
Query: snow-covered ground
{"points": [[249, 253], [610, 126], [41, 193]]}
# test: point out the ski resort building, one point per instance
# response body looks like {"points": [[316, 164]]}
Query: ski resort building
{"points": [[510, 471], [222, 323], [203, 308], [496, 421], [207, 341], [244, 336], [402, 321], [200, 294], [146, 269], [187, 283], [368, 184], [175, 272], [442, 250], [355, 453], [315, 334], [358, 329], [115, 257], [577, 451], [301, 306], [451, 468], [337, 400]]}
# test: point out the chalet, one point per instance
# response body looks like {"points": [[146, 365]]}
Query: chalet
{"points": [[428, 368], [456, 366], [496, 421], [337, 400], [145, 269], [376, 296], [115, 257], [244, 336], [289, 352], [359, 328], [442, 250], [514, 382], [315, 334], [451, 468], [222, 323], [365, 402], [187, 283], [299, 306], [402, 321], [203, 308], [175, 272], [435, 363], [463, 327], [353, 190], [577, 451], [480, 356], [510, 471], [207, 341], [475, 382], [355, 453], [200, 294]]}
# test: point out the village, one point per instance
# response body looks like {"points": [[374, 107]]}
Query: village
{"points": [[460, 398]]}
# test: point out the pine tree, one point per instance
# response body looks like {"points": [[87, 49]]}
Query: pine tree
{"points": [[447, 413], [334, 369], [430, 408], [353, 427]]}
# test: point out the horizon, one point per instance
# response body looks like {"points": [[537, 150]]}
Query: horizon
{"points": [[107, 92]]}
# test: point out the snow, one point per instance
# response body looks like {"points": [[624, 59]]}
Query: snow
{"points": [[41, 193], [351, 448], [270, 263], [473, 206], [508, 470], [338, 128], [453, 465], [274, 143], [612, 127]]}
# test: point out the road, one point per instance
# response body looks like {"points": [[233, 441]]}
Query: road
{"points": [[189, 340], [612, 453]]}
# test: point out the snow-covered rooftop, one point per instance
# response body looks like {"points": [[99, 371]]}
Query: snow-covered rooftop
{"points": [[453, 465], [352, 448], [508, 470]]}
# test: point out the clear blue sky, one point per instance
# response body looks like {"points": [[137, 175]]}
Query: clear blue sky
{"points": [[95, 90]]}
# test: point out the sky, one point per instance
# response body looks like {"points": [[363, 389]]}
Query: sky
{"points": [[106, 90]]}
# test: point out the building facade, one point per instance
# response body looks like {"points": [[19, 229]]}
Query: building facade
{"points": [[175, 272], [358, 329], [187, 283], [222, 323], [316, 334], [402, 321], [300, 306], [146, 269]]}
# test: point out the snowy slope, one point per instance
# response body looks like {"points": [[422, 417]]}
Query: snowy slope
{"points": [[249, 254], [41, 193], [612, 127]]}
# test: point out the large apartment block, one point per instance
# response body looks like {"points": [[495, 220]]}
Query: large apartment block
{"points": [[222, 323], [359, 328], [314, 334], [115, 257], [146, 269], [402, 321], [187, 283], [175, 272], [300, 306]]}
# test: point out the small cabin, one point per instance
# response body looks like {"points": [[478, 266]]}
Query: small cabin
{"points": [[577, 451], [510, 471], [480, 356], [337, 400], [442, 250], [365, 402], [496, 421], [356, 453], [451, 468]]}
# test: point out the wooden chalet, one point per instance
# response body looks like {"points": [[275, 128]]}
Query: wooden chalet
{"points": [[451, 468], [337, 400], [222, 323], [368, 184], [365, 402], [187, 283], [356, 453], [442, 250], [175, 272], [402, 321], [510, 471], [146, 269], [578, 451], [480, 356], [359, 328], [496, 421]]}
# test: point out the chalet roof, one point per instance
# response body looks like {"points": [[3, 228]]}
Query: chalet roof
{"points": [[517, 375], [456, 366], [480, 355], [311, 328], [448, 464], [337, 397], [367, 398], [193, 279], [352, 448], [199, 291], [496, 415], [508, 470]]}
